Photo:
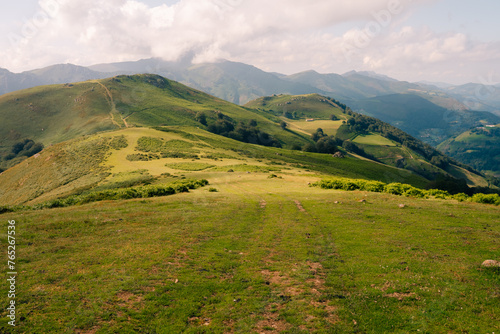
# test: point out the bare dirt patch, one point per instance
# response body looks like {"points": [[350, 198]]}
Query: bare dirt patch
{"points": [[272, 322], [299, 206], [129, 300]]}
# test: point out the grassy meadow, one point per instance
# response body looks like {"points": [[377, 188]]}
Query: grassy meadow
{"points": [[258, 255]]}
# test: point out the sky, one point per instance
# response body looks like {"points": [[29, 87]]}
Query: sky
{"points": [[454, 41]]}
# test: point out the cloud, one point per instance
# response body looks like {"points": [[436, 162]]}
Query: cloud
{"points": [[279, 35]]}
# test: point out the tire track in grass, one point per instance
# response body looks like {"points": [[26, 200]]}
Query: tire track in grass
{"points": [[287, 245], [286, 282]]}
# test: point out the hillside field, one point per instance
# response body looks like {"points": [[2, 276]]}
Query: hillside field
{"points": [[115, 158], [257, 255]]}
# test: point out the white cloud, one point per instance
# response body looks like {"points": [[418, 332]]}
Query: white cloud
{"points": [[279, 35]]}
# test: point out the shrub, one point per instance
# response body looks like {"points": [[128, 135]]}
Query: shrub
{"points": [[403, 190], [461, 197], [350, 185], [486, 198], [374, 186], [415, 192], [127, 193], [395, 188], [439, 194], [119, 142], [157, 191]]}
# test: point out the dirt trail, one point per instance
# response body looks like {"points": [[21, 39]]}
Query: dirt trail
{"points": [[113, 111]]}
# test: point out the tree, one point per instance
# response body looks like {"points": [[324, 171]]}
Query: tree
{"points": [[326, 144], [318, 134], [309, 148], [201, 117], [283, 125]]}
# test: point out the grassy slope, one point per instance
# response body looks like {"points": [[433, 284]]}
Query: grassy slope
{"points": [[77, 165], [480, 150], [53, 114], [320, 109], [306, 106], [259, 256]]}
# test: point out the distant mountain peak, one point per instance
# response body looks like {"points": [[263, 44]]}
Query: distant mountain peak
{"points": [[369, 74]]}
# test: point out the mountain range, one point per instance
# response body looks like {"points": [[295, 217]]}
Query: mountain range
{"points": [[240, 83]]}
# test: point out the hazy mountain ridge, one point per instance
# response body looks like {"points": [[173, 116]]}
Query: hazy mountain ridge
{"points": [[240, 83]]}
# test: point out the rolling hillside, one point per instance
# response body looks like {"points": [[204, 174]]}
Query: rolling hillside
{"points": [[135, 218], [372, 139], [422, 118], [130, 155], [258, 251], [58, 113], [479, 148], [240, 83], [53, 114]]}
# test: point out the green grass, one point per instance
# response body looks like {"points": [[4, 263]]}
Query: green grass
{"points": [[57, 113], [257, 255], [373, 139], [329, 127], [403, 190], [189, 166]]}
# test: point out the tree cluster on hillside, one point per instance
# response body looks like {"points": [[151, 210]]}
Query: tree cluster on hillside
{"points": [[323, 143], [26, 148], [20, 150], [247, 133], [480, 157]]}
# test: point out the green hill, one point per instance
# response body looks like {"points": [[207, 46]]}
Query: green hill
{"points": [[374, 149], [364, 136], [136, 155], [421, 118], [157, 225], [53, 114], [479, 148]]}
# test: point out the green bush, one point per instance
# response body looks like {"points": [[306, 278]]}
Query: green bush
{"points": [[374, 186], [396, 188], [439, 194], [119, 142], [402, 190], [415, 192], [124, 193], [486, 199], [461, 197]]}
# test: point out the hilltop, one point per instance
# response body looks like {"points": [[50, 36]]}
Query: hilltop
{"points": [[479, 148]]}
